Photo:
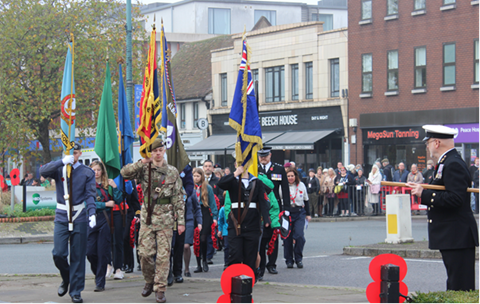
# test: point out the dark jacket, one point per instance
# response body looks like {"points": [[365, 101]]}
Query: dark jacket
{"points": [[276, 173], [313, 185], [402, 178], [216, 190], [451, 224], [388, 172], [187, 179], [251, 222], [428, 176], [192, 211]]}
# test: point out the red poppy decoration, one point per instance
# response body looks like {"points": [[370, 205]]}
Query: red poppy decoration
{"points": [[140, 194], [271, 244], [196, 242], [132, 233], [15, 177], [63, 179], [2, 184], [271, 168], [214, 239]]}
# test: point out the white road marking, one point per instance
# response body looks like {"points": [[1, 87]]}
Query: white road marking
{"points": [[359, 258], [316, 256], [425, 261]]}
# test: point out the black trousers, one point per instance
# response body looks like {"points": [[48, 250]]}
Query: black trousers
{"points": [[177, 254], [117, 240], [128, 259], [243, 248], [272, 259], [460, 266]]}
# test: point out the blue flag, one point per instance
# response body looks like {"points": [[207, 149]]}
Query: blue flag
{"points": [[244, 114], [126, 137], [68, 104]]}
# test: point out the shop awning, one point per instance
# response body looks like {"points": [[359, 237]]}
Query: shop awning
{"points": [[298, 140], [268, 136], [215, 144]]}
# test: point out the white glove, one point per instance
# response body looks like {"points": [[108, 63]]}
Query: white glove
{"points": [[93, 221], [68, 160]]}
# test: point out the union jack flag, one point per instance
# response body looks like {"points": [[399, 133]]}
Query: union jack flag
{"points": [[244, 114]]}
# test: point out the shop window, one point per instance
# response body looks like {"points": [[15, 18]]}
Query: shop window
{"points": [[475, 56], [275, 84], [182, 116], [223, 80], [218, 21], [367, 84], [327, 20], [270, 15], [294, 69], [392, 7], [421, 67], [308, 80], [366, 9], [392, 58], [334, 78], [449, 64]]}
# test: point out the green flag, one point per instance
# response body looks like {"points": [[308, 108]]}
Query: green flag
{"points": [[106, 141]]}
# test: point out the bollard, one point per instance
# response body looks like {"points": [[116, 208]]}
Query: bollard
{"points": [[241, 289], [389, 286]]}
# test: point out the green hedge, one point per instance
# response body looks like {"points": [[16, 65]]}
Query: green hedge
{"points": [[446, 297], [18, 211]]}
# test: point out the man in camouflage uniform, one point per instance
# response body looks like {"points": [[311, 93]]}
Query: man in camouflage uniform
{"points": [[157, 222]]}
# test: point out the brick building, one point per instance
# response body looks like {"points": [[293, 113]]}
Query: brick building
{"points": [[411, 62]]}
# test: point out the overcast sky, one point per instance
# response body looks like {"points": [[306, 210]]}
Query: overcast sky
{"points": [[312, 2]]}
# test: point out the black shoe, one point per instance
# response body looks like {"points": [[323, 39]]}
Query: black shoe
{"points": [[187, 274], [209, 262], [62, 289], [179, 279], [129, 270], [205, 266], [170, 279], [198, 269], [289, 265], [99, 289], [272, 270], [260, 278], [139, 268], [77, 299], [299, 264]]}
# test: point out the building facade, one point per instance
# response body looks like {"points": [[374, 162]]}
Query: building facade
{"points": [[300, 72], [411, 63]]}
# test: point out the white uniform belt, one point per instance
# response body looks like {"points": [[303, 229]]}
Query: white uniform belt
{"points": [[78, 207], [252, 205]]}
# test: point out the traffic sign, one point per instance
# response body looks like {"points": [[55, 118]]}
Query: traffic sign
{"points": [[202, 123]]}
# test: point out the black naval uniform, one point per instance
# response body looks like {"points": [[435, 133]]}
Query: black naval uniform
{"points": [[243, 248], [451, 226], [276, 173]]}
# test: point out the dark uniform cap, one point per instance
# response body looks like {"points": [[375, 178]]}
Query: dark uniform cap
{"points": [[76, 146], [265, 151], [438, 131], [158, 142]]}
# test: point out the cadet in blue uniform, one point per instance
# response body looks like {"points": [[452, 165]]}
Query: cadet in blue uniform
{"points": [[452, 229], [98, 240], [83, 200]]}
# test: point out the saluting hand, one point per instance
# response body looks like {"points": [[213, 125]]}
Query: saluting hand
{"points": [[146, 160]]}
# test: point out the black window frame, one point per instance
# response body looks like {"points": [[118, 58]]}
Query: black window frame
{"points": [[294, 82], [195, 115], [223, 90], [334, 62], [476, 67], [308, 79], [183, 123]]}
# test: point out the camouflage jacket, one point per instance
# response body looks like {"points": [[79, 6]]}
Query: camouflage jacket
{"points": [[163, 214]]}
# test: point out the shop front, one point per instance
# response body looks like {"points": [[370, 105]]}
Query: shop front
{"points": [[310, 137], [400, 144], [466, 141]]}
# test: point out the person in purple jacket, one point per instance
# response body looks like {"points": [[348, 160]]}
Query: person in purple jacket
{"points": [[83, 200]]}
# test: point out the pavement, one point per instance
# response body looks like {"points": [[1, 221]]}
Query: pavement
{"points": [[37, 288]]}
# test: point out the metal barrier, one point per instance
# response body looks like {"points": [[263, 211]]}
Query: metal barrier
{"points": [[415, 202]]}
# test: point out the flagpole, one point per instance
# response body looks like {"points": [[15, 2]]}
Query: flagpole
{"points": [[69, 166], [149, 206]]}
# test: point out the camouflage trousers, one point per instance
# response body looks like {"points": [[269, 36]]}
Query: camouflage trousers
{"points": [[154, 251]]}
